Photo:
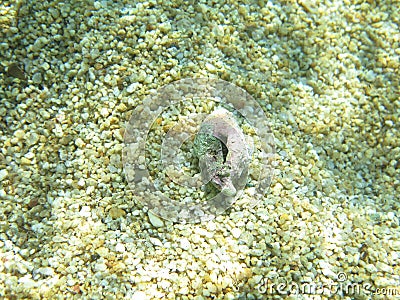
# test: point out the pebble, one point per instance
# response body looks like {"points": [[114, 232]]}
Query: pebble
{"points": [[371, 268], [384, 267], [120, 248], [155, 220], [27, 282], [139, 295], [3, 174], [185, 244], [19, 134], [104, 112], [395, 245], [211, 68], [100, 267], [37, 78], [25, 161], [326, 269], [85, 212], [156, 242], [47, 271], [32, 138], [102, 251], [236, 232], [79, 142], [116, 212], [383, 282], [132, 87], [39, 43]]}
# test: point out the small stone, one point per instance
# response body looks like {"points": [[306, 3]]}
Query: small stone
{"points": [[81, 182], [155, 220], [116, 212], [85, 212], [108, 79], [32, 138], [71, 269], [102, 251], [395, 245], [139, 295], [122, 107], [211, 68], [371, 268], [210, 288], [120, 248], [58, 131], [47, 271], [383, 282], [3, 174], [384, 267], [25, 161], [185, 244], [370, 76], [19, 134], [39, 43], [236, 232], [165, 27], [37, 78], [284, 218], [104, 112], [326, 269], [30, 155], [141, 75], [54, 13], [247, 238], [106, 178], [131, 88], [100, 267], [156, 242], [27, 282], [79, 142], [257, 34]]}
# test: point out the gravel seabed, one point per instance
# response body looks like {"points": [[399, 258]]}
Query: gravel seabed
{"points": [[327, 75]]}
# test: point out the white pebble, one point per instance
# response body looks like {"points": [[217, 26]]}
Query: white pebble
{"points": [[155, 242], [104, 112], [120, 248], [211, 68], [131, 88], [100, 267], [155, 220], [89, 190], [79, 142], [27, 282], [3, 174], [384, 267], [85, 212], [236, 232], [58, 131], [139, 295], [47, 271], [327, 269], [185, 244], [371, 268], [32, 139], [395, 245]]}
